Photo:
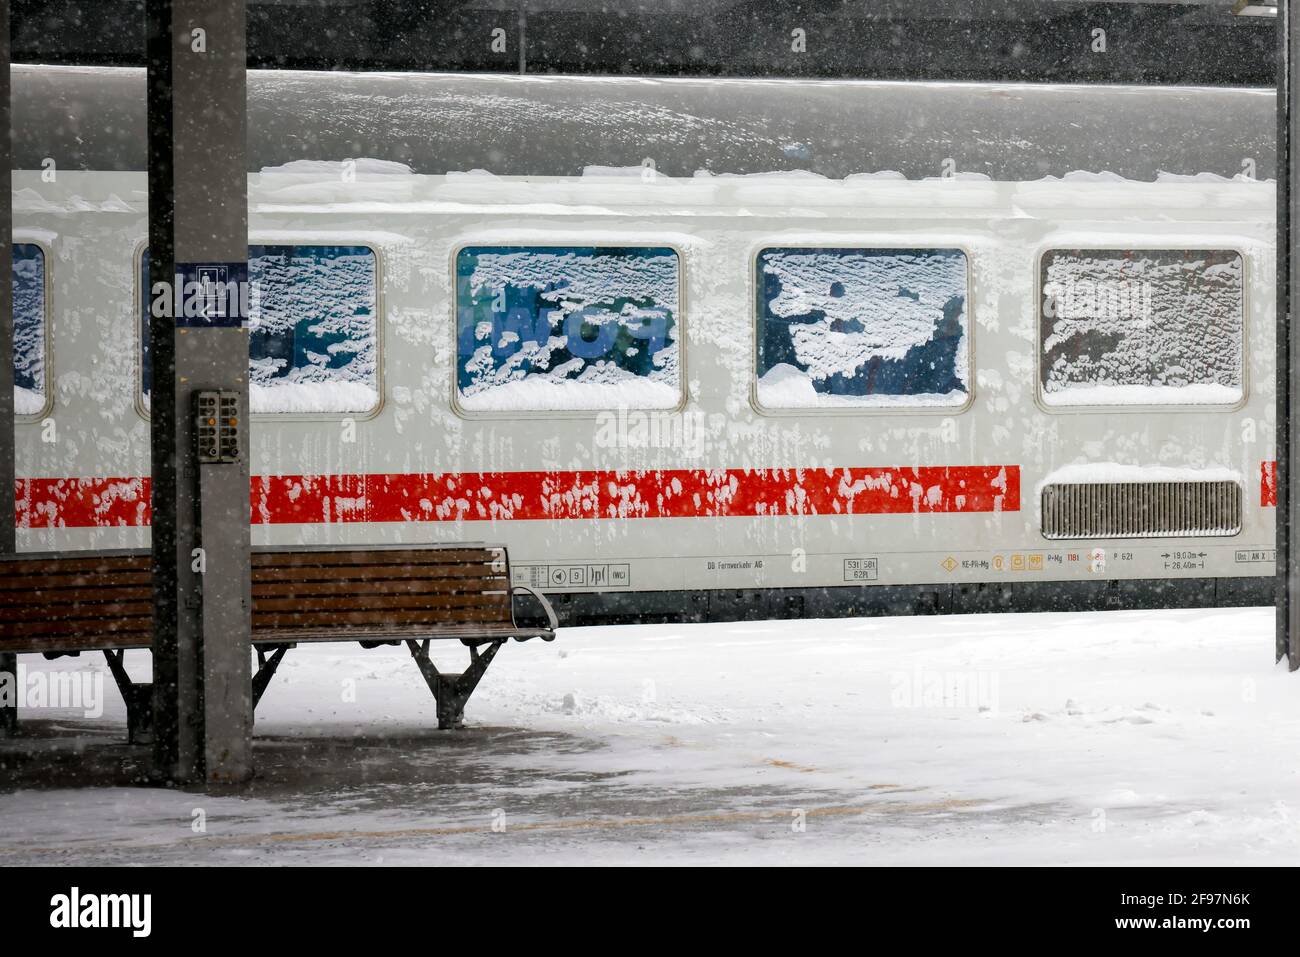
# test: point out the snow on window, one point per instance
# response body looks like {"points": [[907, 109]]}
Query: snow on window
{"points": [[548, 328], [29, 328], [1141, 327], [313, 343], [861, 328], [313, 340]]}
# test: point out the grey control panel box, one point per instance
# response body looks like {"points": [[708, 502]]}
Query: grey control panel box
{"points": [[216, 424]]}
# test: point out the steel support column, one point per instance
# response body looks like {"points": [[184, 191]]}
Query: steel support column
{"points": [[198, 245], [8, 663], [1288, 345]]}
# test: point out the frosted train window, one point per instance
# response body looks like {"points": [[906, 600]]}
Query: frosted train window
{"points": [[1141, 327], [549, 328], [29, 328], [312, 331], [861, 328]]}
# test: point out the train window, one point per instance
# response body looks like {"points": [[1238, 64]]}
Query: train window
{"points": [[553, 328], [1141, 327], [859, 328], [30, 333], [313, 336]]}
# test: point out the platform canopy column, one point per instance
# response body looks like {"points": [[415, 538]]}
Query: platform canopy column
{"points": [[8, 663], [198, 299], [1288, 344]]}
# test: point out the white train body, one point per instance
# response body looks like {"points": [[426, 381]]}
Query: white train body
{"points": [[717, 504]]}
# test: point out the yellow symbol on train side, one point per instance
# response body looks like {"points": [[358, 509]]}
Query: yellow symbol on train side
{"points": [[998, 563], [949, 563], [1017, 563], [1035, 563]]}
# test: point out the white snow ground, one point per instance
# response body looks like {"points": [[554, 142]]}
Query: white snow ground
{"points": [[1106, 738]]}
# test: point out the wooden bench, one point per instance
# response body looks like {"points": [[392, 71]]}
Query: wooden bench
{"points": [[58, 604]]}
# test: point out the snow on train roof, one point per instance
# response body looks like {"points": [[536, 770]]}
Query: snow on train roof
{"points": [[94, 118], [366, 166]]}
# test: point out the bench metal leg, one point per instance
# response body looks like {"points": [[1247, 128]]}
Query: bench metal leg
{"points": [[8, 695], [139, 700], [266, 670], [451, 692]]}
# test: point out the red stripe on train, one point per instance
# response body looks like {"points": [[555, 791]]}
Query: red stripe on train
{"points": [[1268, 484], [508, 496]]}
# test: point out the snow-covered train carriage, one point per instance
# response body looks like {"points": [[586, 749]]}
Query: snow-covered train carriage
{"points": [[696, 348]]}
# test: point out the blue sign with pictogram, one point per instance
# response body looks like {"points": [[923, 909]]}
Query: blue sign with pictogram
{"points": [[210, 295]]}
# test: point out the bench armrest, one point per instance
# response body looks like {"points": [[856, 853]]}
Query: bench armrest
{"points": [[554, 622]]}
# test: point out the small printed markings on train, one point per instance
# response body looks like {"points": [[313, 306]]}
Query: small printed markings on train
{"points": [[1246, 555], [573, 575], [1181, 561], [861, 569], [1014, 562]]}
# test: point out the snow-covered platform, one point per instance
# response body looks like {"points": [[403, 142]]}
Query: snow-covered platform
{"points": [[1118, 737]]}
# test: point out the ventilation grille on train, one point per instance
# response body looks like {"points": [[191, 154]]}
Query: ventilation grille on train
{"points": [[1141, 509]]}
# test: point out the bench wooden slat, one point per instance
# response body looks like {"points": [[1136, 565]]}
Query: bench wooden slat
{"points": [[394, 556], [78, 580], [432, 571], [397, 633], [378, 589], [60, 566], [78, 611], [375, 618], [42, 599], [395, 575], [321, 577], [75, 626], [350, 573], [96, 642], [43, 596], [501, 600]]}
